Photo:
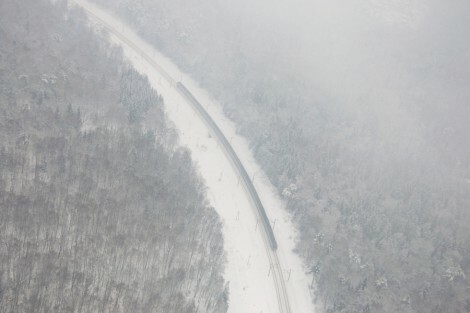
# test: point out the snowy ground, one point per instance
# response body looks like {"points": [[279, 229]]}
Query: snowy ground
{"points": [[247, 268], [399, 12]]}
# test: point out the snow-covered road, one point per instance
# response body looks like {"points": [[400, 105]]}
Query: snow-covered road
{"points": [[254, 286]]}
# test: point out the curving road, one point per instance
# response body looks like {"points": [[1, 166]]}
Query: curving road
{"points": [[275, 267]]}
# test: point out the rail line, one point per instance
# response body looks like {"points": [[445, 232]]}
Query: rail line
{"points": [[235, 160], [268, 236]]}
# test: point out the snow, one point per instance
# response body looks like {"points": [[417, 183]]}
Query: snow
{"points": [[247, 268], [399, 12]]}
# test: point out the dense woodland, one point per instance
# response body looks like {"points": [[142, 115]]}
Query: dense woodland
{"points": [[369, 150], [100, 210]]}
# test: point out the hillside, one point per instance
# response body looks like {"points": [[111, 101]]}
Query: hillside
{"points": [[100, 209], [359, 115]]}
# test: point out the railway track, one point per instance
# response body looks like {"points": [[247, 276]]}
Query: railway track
{"points": [[269, 241]]}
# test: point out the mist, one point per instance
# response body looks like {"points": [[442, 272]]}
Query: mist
{"points": [[150, 149], [404, 64]]}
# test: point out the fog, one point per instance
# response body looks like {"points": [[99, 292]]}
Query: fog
{"points": [[357, 112], [406, 62]]}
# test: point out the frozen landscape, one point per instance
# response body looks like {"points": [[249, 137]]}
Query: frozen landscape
{"points": [[248, 269]]}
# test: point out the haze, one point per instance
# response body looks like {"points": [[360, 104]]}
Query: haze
{"points": [[213, 156]]}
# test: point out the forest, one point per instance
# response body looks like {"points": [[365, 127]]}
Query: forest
{"points": [[101, 210], [369, 149]]}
